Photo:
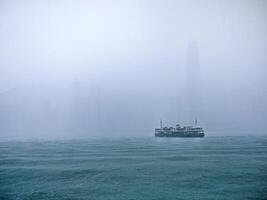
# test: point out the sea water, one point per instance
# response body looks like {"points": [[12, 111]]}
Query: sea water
{"points": [[135, 168]]}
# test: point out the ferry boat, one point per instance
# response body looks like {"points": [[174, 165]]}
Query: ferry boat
{"points": [[179, 131]]}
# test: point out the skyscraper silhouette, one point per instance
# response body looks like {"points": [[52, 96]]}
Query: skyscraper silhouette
{"points": [[77, 118], [192, 96]]}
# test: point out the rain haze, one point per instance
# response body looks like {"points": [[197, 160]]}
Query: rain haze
{"points": [[115, 68]]}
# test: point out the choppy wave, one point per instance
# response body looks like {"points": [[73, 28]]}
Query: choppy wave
{"points": [[143, 168]]}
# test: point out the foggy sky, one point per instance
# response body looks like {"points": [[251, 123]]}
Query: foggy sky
{"points": [[117, 67]]}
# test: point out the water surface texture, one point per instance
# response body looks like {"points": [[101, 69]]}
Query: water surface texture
{"points": [[135, 168]]}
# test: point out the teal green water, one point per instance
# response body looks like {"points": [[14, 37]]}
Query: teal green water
{"points": [[135, 168]]}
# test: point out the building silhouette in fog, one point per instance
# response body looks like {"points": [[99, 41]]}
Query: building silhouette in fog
{"points": [[193, 82], [76, 116]]}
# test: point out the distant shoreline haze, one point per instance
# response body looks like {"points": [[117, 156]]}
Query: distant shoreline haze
{"points": [[115, 68]]}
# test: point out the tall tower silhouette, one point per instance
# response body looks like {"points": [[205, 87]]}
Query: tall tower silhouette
{"points": [[193, 96], [77, 110]]}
